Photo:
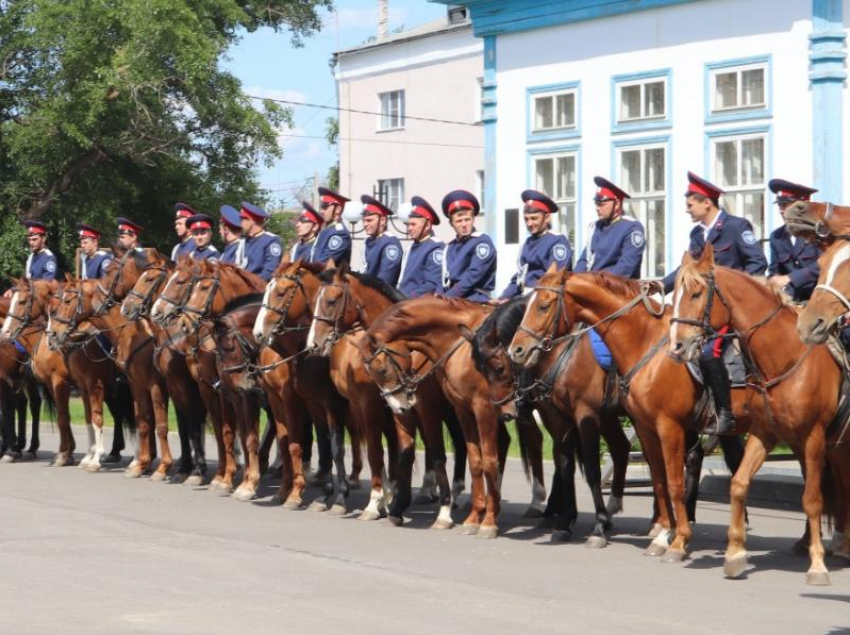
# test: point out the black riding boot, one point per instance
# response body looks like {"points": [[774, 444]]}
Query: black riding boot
{"points": [[716, 377]]}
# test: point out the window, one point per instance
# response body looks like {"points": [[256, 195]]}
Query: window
{"points": [[391, 192], [512, 226], [392, 110], [643, 175], [555, 176], [554, 111], [646, 99], [739, 170]]}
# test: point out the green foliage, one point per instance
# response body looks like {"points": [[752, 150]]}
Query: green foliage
{"points": [[122, 107], [283, 224]]}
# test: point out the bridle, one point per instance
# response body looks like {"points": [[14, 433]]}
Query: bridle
{"points": [[109, 299], [335, 320], [24, 319], [707, 331], [280, 326], [145, 300], [71, 323], [179, 303]]}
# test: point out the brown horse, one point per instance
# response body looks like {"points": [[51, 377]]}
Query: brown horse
{"points": [[348, 303], [816, 221], [660, 396], [431, 325], [802, 385], [134, 348]]}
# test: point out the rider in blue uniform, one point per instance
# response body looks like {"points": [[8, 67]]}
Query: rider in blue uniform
{"points": [[307, 227], [469, 259], [333, 240], [383, 252], [41, 263], [230, 230], [182, 213], [793, 261], [259, 251], [735, 246], [423, 270], [615, 241], [541, 248], [93, 260], [200, 226], [128, 233]]}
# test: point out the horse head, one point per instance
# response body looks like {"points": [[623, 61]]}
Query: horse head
{"points": [[389, 365], [287, 301], [139, 300], [829, 302], [336, 310], [74, 306], [817, 221], [176, 292]]}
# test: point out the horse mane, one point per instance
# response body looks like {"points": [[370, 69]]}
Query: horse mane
{"points": [[501, 324], [376, 284], [690, 277], [252, 280], [616, 284], [241, 302], [399, 314]]}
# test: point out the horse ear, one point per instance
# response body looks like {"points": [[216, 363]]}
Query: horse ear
{"points": [[467, 333], [553, 268], [343, 268], [330, 265], [687, 258], [68, 277], [707, 257]]}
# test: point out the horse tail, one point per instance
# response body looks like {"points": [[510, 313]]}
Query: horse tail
{"points": [[47, 401], [119, 400], [524, 421], [828, 493]]}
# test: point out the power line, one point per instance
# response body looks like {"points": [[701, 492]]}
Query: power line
{"points": [[415, 143], [361, 112]]}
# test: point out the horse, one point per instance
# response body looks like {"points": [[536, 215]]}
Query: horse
{"points": [[572, 394], [431, 325], [817, 221], [660, 396], [346, 304], [801, 384], [84, 365], [133, 342]]}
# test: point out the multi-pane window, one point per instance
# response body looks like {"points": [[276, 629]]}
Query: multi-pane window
{"points": [[554, 111], [391, 192], [643, 176], [738, 88], [739, 170], [645, 99], [555, 176], [392, 110]]}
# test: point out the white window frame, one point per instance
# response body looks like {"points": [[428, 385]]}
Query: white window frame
{"points": [[560, 221], [640, 199], [736, 193], [396, 184], [738, 70], [385, 115], [553, 95], [658, 79]]}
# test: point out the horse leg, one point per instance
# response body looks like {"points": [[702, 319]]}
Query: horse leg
{"points": [[92, 440], [672, 435], [693, 468], [588, 432], [61, 397], [35, 415], [159, 404], [755, 454], [456, 432], [661, 524], [429, 410], [840, 468], [406, 435], [531, 448], [117, 399], [184, 463], [372, 413], [227, 460], [143, 413], [267, 439], [565, 457], [20, 409], [427, 493], [247, 489], [476, 472], [289, 416], [7, 414], [323, 445], [489, 428], [212, 402], [355, 435], [197, 427], [815, 450], [733, 454], [619, 448]]}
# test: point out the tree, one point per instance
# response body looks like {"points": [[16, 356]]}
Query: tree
{"points": [[121, 108]]}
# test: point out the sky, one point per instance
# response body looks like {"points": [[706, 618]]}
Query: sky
{"points": [[269, 66]]}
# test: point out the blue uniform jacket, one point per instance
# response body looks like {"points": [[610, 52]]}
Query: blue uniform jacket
{"points": [[423, 269], [735, 246], [383, 258], [92, 268], [333, 241], [469, 268], [538, 252], [304, 250], [259, 254], [797, 259], [228, 254], [615, 247], [184, 248], [206, 253], [41, 266]]}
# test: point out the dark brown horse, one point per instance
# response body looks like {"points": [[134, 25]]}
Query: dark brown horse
{"points": [[802, 385]]}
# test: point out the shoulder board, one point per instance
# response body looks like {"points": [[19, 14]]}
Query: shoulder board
{"points": [[48, 252], [339, 226], [270, 234], [476, 234], [628, 218]]}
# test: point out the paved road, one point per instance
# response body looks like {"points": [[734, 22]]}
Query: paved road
{"points": [[96, 553]]}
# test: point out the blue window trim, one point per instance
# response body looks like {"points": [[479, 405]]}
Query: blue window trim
{"points": [[767, 130], [667, 142], [643, 125], [532, 154], [739, 115], [552, 135]]}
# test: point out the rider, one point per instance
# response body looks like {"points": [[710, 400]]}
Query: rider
{"points": [[128, 234], [230, 230], [41, 263], [469, 259], [333, 241], [200, 226], [793, 261], [259, 251], [383, 252], [423, 270], [541, 248], [182, 213], [92, 259], [736, 247], [615, 241], [307, 227]]}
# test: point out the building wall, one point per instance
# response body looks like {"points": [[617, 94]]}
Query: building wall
{"points": [[680, 40], [439, 75]]}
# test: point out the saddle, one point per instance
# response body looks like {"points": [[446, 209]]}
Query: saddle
{"points": [[736, 366]]}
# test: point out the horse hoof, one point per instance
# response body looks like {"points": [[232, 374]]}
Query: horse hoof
{"points": [[468, 530], [545, 522], [243, 495], [179, 478], [111, 459], [369, 514], [425, 498], [58, 461], [596, 542], [533, 512], [8, 458], [194, 480], [353, 483], [735, 566], [395, 521], [561, 535], [673, 555], [442, 523], [655, 550], [224, 490], [656, 529], [318, 506], [818, 578], [293, 503], [487, 533], [132, 473], [157, 477], [337, 509], [30, 455], [92, 467]]}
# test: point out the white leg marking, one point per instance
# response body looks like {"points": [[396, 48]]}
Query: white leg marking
{"points": [[311, 336], [538, 495], [663, 538], [615, 505]]}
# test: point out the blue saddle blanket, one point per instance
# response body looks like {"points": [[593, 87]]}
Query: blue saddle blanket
{"points": [[21, 348], [600, 351]]}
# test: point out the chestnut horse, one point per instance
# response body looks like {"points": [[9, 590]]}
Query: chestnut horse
{"points": [[802, 385], [660, 396], [431, 325], [816, 221], [348, 303]]}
